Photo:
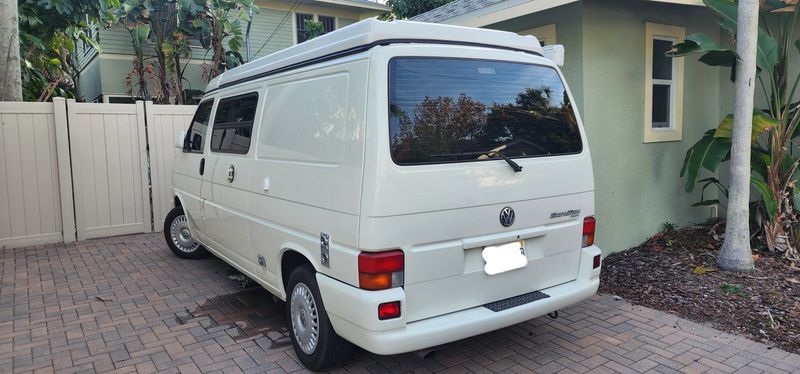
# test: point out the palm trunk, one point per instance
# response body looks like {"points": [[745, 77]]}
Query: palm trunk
{"points": [[179, 99], [736, 254], [10, 71]]}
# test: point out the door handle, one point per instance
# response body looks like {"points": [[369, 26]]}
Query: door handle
{"points": [[202, 165], [231, 173]]}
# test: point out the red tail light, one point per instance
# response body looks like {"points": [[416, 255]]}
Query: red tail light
{"points": [[588, 231], [389, 310], [380, 270]]}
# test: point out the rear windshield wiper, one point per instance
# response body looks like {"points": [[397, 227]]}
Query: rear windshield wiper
{"points": [[517, 168], [510, 162]]}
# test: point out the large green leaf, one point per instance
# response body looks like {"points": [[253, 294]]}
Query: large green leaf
{"points": [[769, 199], [707, 182], [702, 43], [759, 162], [707, 153], [761, 123], [767, 46]]}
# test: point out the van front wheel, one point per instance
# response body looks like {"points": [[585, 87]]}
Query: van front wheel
{"points": [[179, 238], [315, 342]]}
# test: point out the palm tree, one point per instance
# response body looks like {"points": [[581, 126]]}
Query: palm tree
{"points": [[736, 253], [10, 75]]}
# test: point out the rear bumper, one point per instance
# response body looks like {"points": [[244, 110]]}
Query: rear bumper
{"points": [[353, 313]]}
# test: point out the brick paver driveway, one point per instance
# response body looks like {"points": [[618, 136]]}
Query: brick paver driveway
{"points": [[126, 304]]}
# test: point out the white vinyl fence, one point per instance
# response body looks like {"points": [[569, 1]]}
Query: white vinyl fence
{"points": [[114, 159], [164, 124]]}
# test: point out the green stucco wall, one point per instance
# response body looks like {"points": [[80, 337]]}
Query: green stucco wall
{"points": [[638, 187]]}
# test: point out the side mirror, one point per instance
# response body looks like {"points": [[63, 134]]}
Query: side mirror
{"points": [[180, 141]]}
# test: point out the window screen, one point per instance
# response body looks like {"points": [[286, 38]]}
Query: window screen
{"points": [[300, 20], [454, 110], [233, 124], [662, 83], [328, 23], [197, 130]]}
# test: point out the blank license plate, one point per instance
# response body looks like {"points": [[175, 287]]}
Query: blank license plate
{"points": [[504, 257]]}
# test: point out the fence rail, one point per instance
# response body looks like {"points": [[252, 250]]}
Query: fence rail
{"points": [[114, 159]]}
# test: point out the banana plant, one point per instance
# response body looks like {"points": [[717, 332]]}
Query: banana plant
{"points": [[775, 128], [220, 23]]}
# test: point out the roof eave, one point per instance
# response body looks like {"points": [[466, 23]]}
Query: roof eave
{"points": [[506, 10], [357, 4]]}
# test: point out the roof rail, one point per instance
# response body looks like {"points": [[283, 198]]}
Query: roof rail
{"points": [[366, 34]]}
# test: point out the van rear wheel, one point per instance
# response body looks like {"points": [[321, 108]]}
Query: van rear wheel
{"points": [[315, 342], [179, 238]]}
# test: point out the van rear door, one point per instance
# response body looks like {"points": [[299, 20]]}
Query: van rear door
{"points": [[482, 156]]}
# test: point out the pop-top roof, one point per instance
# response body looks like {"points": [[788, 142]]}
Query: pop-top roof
{"points": [[367, 34]]}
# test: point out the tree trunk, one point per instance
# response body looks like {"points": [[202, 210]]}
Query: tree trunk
{"points": [[736, 254], [10, 73], [179, 99]]}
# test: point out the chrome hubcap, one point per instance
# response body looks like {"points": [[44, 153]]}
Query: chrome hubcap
{"points": [[181, 236], [305, 320]]}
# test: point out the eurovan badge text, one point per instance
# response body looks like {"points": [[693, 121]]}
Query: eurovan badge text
{"points": [[569, 213]]}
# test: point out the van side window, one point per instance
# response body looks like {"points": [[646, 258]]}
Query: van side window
{"points": [[233, 124], [197, 130]]}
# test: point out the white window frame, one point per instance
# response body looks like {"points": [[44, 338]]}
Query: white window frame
{"points": [[544, 33], [675, 34], [315, 17]]}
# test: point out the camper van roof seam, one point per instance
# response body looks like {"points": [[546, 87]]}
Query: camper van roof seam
{"points": [[359, 49]]}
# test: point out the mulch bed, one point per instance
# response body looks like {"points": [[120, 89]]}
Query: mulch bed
{"points": [[663, 274]]}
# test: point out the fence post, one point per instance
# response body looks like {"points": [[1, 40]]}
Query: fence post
{"points": [[147, 206], [77, 181], [64, 169]]}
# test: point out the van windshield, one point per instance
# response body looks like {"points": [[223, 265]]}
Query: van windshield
{"points": [[445, 110]]}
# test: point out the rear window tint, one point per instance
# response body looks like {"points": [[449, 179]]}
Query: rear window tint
{"points": [[454, 110], [233, 124]]}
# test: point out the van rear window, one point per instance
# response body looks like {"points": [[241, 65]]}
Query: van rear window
{"points": [[455, 110]]}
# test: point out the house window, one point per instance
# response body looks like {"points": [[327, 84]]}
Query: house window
{"points": [[233, 124], [328, 24], [663, 112], [301, 19], [545, 34]]}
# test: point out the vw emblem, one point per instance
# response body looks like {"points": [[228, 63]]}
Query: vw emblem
{"points": [[507, 216]]}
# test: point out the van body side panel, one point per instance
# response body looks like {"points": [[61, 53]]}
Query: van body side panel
{"points": [[307, 172], [443, 215], [187, 181], [225, 193]]}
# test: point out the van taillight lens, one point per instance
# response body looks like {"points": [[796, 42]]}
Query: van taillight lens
{"points": [[389, 310], [588, 231], [380, 270]]}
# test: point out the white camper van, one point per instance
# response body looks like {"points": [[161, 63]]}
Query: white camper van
{"points": [[401, 185]]}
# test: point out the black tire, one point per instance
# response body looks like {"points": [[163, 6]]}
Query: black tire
{"points": [[174, 239], [331, 349]]}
